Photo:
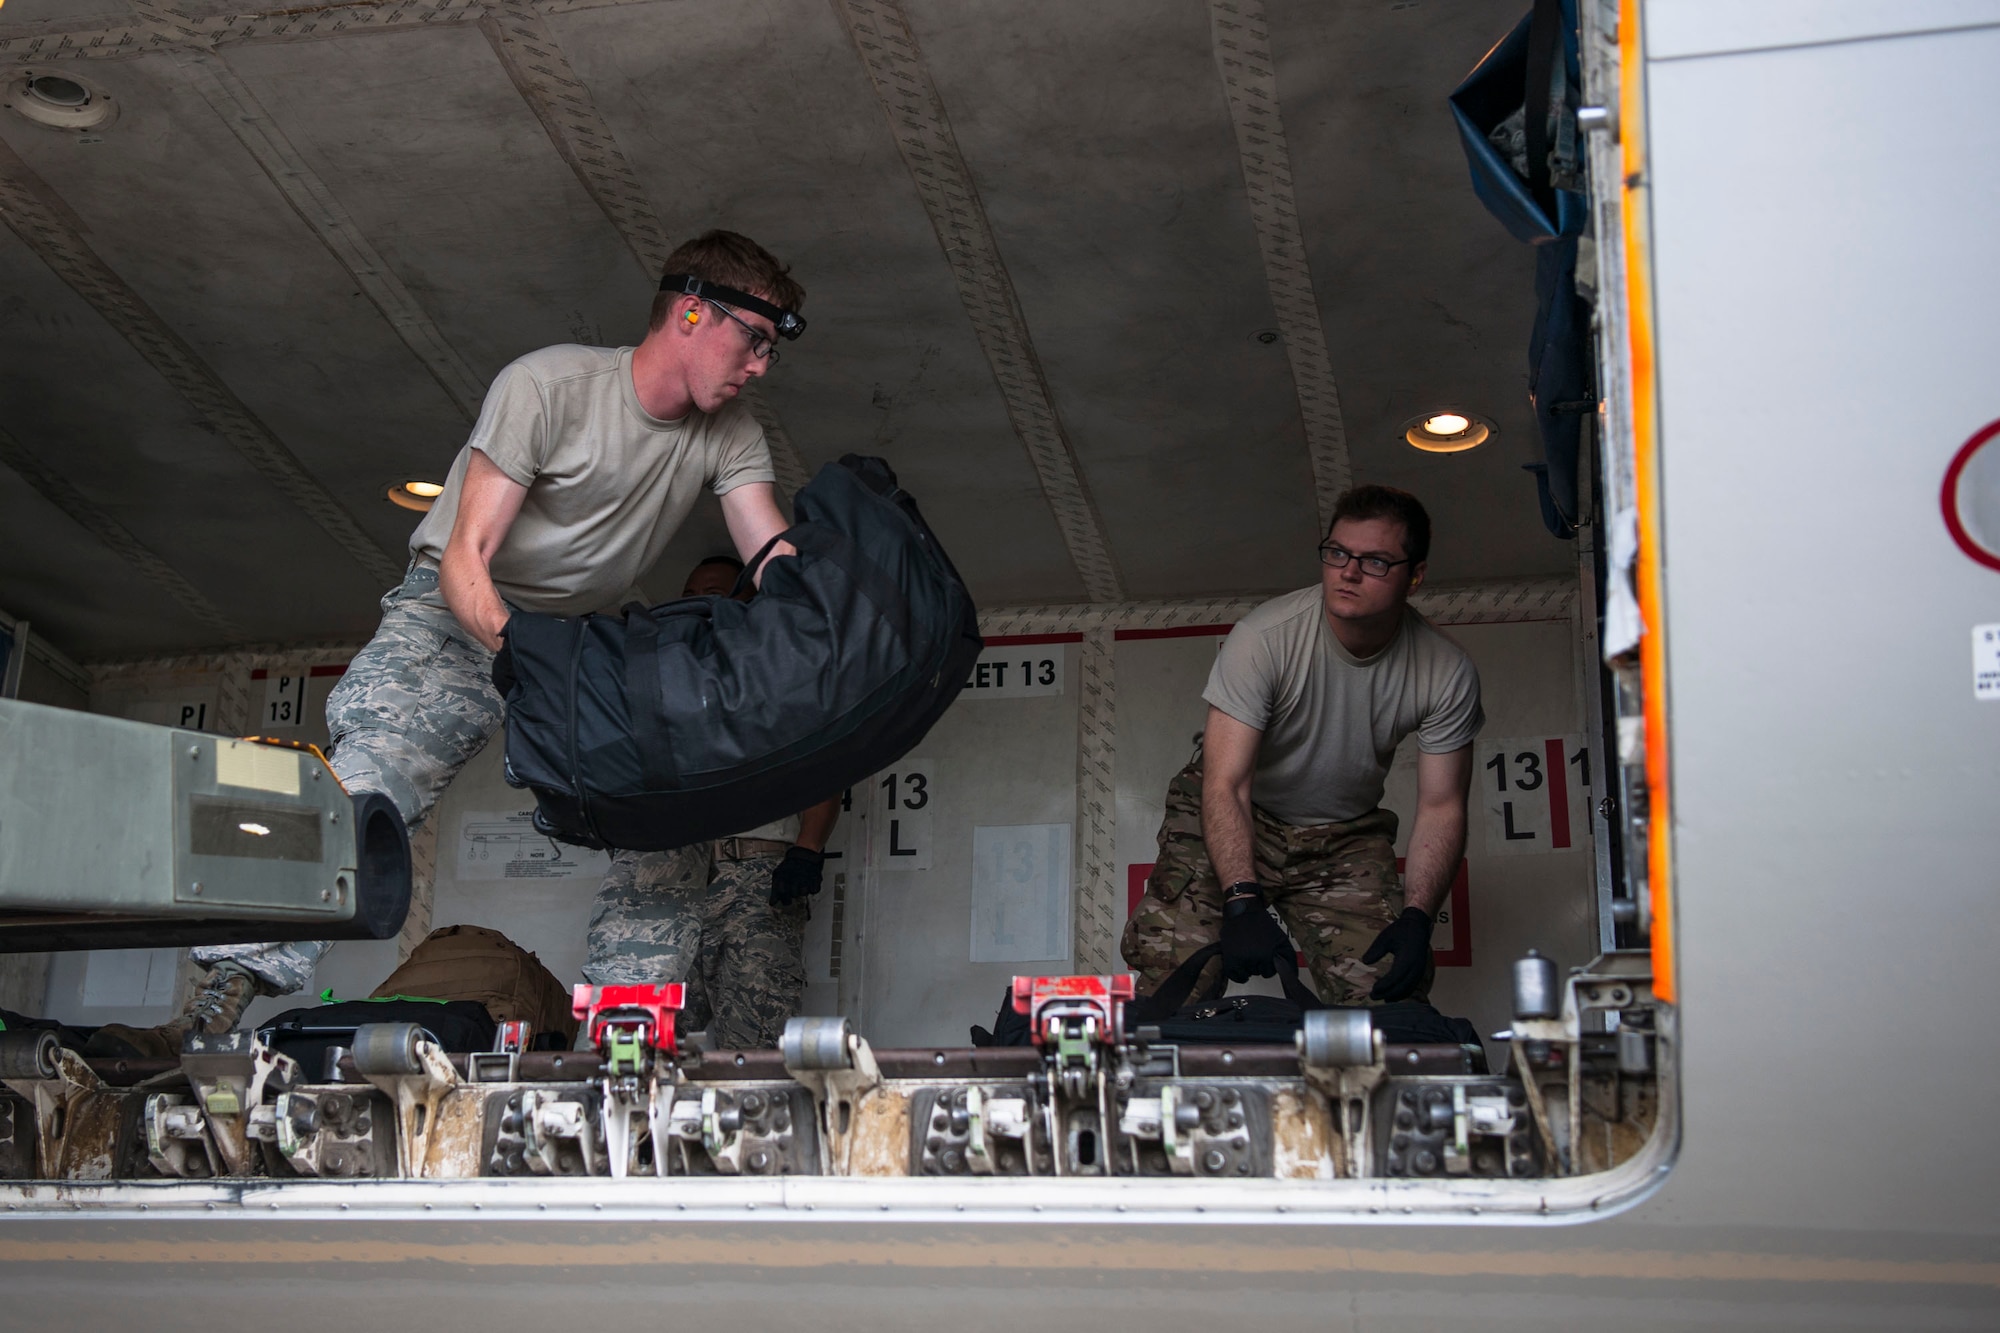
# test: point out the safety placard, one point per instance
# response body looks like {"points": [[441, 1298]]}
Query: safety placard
{"points": [[903, 799], [1986, 662], [1536, 792], [1016, 671], [503, 844]]}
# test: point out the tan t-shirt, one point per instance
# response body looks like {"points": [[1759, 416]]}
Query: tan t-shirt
{"points": [[608, 483], [1332, 721]]}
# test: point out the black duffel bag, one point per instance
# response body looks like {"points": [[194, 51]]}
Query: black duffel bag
{"points": [[1216, 1018], [702, 717], [304, 1034]]}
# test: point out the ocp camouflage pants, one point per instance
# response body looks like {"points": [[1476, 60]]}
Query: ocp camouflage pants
{"points": [[1334, 886], [664, 917]]}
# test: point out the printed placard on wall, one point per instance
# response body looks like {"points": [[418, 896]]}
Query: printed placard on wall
{"points": [[284, 701], [192, 713], [1016, 671], [1536, 791], [904, 798], [1020, 893], [503, 844]]}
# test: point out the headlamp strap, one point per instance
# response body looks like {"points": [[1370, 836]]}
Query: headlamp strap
{"points": [[786, 322]]}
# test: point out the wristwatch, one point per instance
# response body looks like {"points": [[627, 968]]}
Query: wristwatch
{"points": [[1243, 896]]}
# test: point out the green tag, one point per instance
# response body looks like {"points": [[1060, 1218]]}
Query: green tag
{"points": [[327, 997]]}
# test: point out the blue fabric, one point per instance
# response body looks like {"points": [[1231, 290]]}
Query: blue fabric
{"points": [[1494, 90], [1560, 376]]}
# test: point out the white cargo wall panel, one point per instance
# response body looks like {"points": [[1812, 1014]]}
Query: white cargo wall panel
{"points": [[999, 759]]}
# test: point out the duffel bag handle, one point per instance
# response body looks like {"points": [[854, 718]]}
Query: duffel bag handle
{"points": [[749, 570], [1175, 992]]}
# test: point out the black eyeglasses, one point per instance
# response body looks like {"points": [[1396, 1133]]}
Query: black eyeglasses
{"points": [[1336, 557], [761, 347]]}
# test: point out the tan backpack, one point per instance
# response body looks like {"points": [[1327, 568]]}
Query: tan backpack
{"points": [[474, 963]]}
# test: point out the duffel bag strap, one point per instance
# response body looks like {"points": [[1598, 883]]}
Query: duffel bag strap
{"points": [[1174, 993], [642, 700], [745, 577], [1296, 989]]}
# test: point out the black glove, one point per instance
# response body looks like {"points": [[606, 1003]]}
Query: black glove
{"points": [[1251, 937], [797, 876], [1409, 938]]}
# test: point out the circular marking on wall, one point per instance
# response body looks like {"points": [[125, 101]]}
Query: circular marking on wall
{"points": [[1971, 496]]}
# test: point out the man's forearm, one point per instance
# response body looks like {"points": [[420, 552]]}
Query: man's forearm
{"points": [[1226, 828], [469, 592], [816, 825], [1437, 841]]}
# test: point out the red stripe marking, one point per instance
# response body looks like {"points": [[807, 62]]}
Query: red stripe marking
{"points": [[1460, 898], [1558, 794], [1178, 632], [1135, 885], [1014, 640]]}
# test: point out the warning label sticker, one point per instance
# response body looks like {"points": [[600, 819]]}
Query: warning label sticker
{"points": [[503, 844], [1986, 661]]}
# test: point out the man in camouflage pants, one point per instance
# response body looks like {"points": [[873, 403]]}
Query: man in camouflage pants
{"points": [[582, 466], [1335, 885], [1281, 805], [730, 923]]}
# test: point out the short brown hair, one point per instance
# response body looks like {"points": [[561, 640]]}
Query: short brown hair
{"points": [[729, 259], [1388, 502]]}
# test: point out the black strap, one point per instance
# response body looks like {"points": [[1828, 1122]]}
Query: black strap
{"points": [[1545, 45], [749, 572], [643, 700], [786, 322], [1176, 992], [1296, 989]]}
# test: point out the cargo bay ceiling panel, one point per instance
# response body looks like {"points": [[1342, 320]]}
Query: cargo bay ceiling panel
{"points": [[1125, 291]]}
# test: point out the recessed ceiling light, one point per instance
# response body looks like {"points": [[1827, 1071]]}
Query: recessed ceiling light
{"points": [[61, 101], [415, 495], [1449, 431]]}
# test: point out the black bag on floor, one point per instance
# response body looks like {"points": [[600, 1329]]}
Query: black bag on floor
{"points": [[304, 1034], [705, 716], [1216, 1019]]}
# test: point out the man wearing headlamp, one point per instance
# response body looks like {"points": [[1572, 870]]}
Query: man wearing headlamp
{"points": [[584, 463]]}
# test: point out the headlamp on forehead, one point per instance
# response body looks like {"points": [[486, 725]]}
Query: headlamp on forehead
{"points": [[786, 322]]}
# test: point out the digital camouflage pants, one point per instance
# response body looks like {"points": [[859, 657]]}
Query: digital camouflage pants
{"points": [[1334, 886], [413, 707], [665, 916]]}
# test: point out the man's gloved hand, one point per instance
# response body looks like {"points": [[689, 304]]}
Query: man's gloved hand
{"points": [[1409, 938], [1251, 938], [797, 876]]}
